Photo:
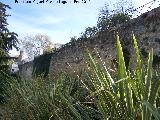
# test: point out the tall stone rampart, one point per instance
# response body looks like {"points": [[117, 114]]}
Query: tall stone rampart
{"points": [[71, 57]]}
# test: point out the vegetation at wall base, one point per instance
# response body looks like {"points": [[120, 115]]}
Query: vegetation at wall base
{"points": [[41, 64], [100, 95]]}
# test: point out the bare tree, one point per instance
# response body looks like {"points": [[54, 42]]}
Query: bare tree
{"points": [[124, 6], [36, 45]]}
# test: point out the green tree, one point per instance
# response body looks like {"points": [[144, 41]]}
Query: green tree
{"points": [[73, 39], [111, 18], [8, 39], [89, 32], [119, 18]]}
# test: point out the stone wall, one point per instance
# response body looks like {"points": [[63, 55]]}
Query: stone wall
{"points": [[71, 58], [25, 70]]}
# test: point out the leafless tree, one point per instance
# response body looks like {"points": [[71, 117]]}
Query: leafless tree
{"points": [[36, 45]]}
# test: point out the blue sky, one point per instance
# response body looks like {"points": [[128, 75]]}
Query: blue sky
{"points": [[58, 21]]}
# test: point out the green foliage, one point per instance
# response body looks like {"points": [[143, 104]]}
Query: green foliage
{"points": [[5, 80], [102, 24], [41, 64], [127, 56], [156, 61], [111, 18], [73, 39], [45, 100], [8, 39], [112, 21], [144, 52], [119, 18], [89, 32], [131, 95], [2, 88]]}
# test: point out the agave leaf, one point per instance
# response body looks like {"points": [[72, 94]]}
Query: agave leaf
{"points": [[104, 78], [148, 77], [138, 73], [71, 107], [154, 90], [152, 109], [124, 89], [120, 59]]}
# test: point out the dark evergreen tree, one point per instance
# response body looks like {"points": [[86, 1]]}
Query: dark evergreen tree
{"points": [[8, 39]]}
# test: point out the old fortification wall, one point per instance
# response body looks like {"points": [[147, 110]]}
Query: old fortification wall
{"points": [[146, 29], [71, 57], [25, 70]]}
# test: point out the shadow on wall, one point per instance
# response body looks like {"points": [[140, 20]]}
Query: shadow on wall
{"points": [[41, 65]]}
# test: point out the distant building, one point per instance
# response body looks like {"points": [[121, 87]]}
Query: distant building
{"points": [[16, 62]]}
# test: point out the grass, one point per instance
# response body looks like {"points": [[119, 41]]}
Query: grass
{"points": [[129, 95]]}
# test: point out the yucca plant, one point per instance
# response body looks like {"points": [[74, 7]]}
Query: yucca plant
{"points": [[132, 95], [41, 99]]}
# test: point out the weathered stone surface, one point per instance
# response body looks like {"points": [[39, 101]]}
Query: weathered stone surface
{"points": [[146, 29], [71, 57], [25, 70]]}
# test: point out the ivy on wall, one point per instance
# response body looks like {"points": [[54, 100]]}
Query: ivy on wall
{"points": [[41, 64]]}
